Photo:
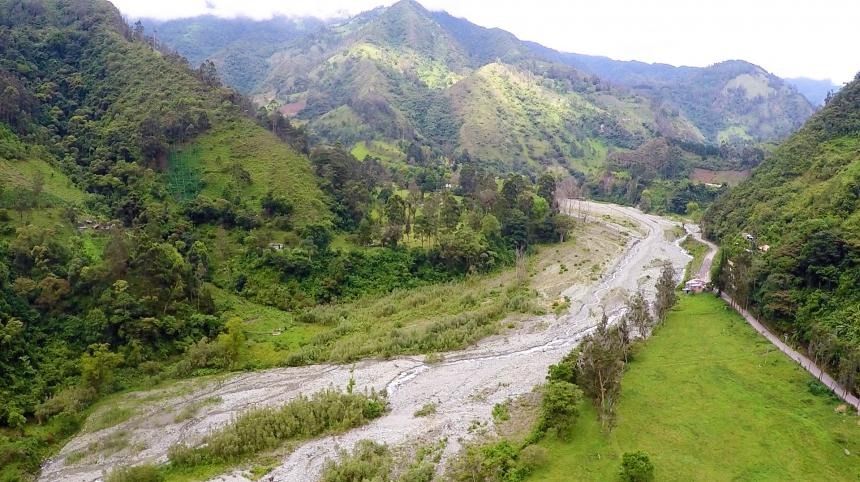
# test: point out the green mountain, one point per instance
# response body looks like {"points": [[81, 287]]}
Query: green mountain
{"points": [[402, 75], [239, 49], [731, 100], [129, 184], [791, 236]]}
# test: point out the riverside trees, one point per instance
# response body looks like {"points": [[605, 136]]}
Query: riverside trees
{"points": [[598, 364]]}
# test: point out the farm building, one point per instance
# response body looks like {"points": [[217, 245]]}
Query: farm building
{"points": [[695, 285]]}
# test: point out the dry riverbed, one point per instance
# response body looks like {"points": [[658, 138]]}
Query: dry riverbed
{"points": [[463, 385]]}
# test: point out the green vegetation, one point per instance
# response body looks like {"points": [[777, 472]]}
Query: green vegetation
{"points": [[140, 473], [155, 224], [370, 461], [709, 399], [109, 417], [790, 238], [636, 467], [698, 250], [426, 410], [265, 429], [261, 431]]}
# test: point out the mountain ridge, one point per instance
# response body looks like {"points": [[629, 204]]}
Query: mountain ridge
{"points": [[409, 49]]}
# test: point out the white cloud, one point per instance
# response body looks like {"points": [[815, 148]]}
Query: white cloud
{"points": [[789, 37]]}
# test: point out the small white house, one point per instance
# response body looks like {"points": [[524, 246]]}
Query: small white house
{"points": [[695, 285]]}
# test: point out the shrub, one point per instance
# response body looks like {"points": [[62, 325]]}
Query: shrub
{"points": [[140, 473], [494, 462], [636, 467], [267, 428], [559, 407], [369, 461], [70, 401], [427, 409], [501, 413]]}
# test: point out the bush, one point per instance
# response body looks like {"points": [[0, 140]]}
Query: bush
{"points": [[69, 401], [559, 407], [636, 467], [427, 409], [140, 473], [267, 428], [501, 412], [369, 461]]}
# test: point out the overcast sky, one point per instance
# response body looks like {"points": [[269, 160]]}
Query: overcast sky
{"points": [[791, 38]]}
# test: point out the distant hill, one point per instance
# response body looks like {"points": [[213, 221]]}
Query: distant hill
{"points": [[728, 100], [239, 48], [813, 89], [399, 76], [792, 234]]}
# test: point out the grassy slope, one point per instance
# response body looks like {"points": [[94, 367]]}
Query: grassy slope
{"points": [[698, 250], [58, 187], [272, 165], [507, 114], [58, 191], [709, 399]]}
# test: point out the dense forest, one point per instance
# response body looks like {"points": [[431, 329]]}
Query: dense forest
{"points": [[791, 237], [134, 185]]}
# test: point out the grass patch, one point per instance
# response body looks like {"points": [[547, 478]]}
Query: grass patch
{"points": [[58, 189], [261, 430], [271, 165], [108, 418], [710, 399], [697, 250], [427, 410], [427, 319], [190, 410]]}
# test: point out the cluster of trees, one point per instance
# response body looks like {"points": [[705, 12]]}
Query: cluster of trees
{"points": [[655, 175], [416, 231], [597, 365], [66, 316], [592, 371]]}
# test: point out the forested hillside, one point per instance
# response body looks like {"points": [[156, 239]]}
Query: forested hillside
{"points": [[791, 237], [103, 140], [728, 101], [240, 49]]}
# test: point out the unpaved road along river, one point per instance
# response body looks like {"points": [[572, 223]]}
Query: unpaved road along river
{"points": [[465, 385]]}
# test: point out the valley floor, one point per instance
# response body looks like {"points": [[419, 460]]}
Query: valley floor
{"points": [[708, 398], [464, 385]]}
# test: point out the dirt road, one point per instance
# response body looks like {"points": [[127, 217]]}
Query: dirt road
{"points": [[464, 386]]}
